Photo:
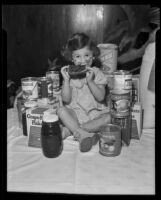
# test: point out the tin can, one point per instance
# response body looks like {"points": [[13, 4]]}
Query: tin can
{"points": [[125, 123], [45, 87], [20, 107], [29, 88], [54, 75], [122, 80], [110, 140], [120, 102], [108, 57]]}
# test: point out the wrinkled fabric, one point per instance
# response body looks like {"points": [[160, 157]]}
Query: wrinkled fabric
{"points": [[132, 172]]}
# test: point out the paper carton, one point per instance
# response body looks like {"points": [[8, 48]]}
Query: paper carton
{"points": [[34, 123], [136, 120]]}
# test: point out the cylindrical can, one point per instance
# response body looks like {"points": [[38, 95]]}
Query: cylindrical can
{"points": [[125, 123], [45, 88], [108, 57], [120, 102], [20, 107], [122, 80], [29, 88], [51, 138], [27, 105], [110, 140], [55, 77]]}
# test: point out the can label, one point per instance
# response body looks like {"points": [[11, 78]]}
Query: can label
{"points": [[108, 57], [120, 102], [54, 76], [29, 88], [122, 80]]}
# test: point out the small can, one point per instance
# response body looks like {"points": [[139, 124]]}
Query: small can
{"points": [[110, 140], [51, 137], [27, 105], [125, 123], [122, 80], [120, 102], [29, 88], [54, 75], [45, 88]]}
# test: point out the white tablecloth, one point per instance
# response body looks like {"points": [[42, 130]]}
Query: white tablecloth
{"points": [[132, 172]]}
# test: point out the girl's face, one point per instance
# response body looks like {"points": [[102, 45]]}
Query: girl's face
{"points": [[82, 56]]}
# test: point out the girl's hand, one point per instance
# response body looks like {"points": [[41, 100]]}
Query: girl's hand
{"points": [[90, 75], [64, 73]]}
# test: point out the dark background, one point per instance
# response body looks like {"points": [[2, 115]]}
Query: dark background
{"points": [[35, 33]]}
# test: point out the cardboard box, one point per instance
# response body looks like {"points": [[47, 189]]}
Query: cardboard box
{"points": [[34, 122], [137, 114], [135, 88]]}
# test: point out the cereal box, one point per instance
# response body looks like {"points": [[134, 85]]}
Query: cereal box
{"points": [[136, 120]]}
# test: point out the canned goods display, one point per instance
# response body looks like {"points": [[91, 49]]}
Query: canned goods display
{"points": [[45, 87], [29, 88], [122, 80], [54, 76], [125, 123], [120, 102], [110, 140]]}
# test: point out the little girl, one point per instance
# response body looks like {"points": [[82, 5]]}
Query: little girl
{"points": [[83, 112]]}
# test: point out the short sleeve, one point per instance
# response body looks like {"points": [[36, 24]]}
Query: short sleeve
{"points": [[100, 78]]}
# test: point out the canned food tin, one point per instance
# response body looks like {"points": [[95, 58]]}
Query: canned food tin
{"points": [[108, 57], [29, 88], [125, 123], [120, 102], [110, 140], [45, 88], [54, 76], [122, 80]]}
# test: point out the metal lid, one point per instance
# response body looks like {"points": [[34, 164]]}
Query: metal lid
{"points": [[28, 79], [108, 46], [50, 117], [119, 92], [30, 104]]}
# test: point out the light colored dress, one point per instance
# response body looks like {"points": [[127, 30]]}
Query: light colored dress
{"points": [[83, 102]]}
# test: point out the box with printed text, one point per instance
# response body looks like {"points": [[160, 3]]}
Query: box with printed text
{"points": [[137, 115]]}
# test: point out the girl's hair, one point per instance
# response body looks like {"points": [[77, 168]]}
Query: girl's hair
{"points": [[79, 41]]}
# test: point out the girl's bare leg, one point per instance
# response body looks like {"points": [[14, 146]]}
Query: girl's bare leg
{"points": [[69, 118], [95, 124]]}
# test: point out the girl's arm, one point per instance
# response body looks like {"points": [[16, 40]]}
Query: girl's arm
{"points": [[98, 91], [66, 89]]}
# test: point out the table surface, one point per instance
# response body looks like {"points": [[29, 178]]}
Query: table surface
{"points": [[74, 172]]}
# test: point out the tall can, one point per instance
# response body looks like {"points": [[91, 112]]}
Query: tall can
{"points": [[29, 88], [45, 87], [125, 122], [51, 137], [120, 102], [20, 107], [108, 57], [55, 77], [122, 80]]}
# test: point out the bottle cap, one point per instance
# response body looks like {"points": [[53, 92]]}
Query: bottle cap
{"points": [[30, 104], [50, 117]]}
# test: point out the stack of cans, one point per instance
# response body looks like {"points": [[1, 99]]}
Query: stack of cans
{"points": [[120, 103]]}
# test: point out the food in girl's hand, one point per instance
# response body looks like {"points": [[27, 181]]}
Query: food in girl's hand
{"points": [[77, 69]]}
